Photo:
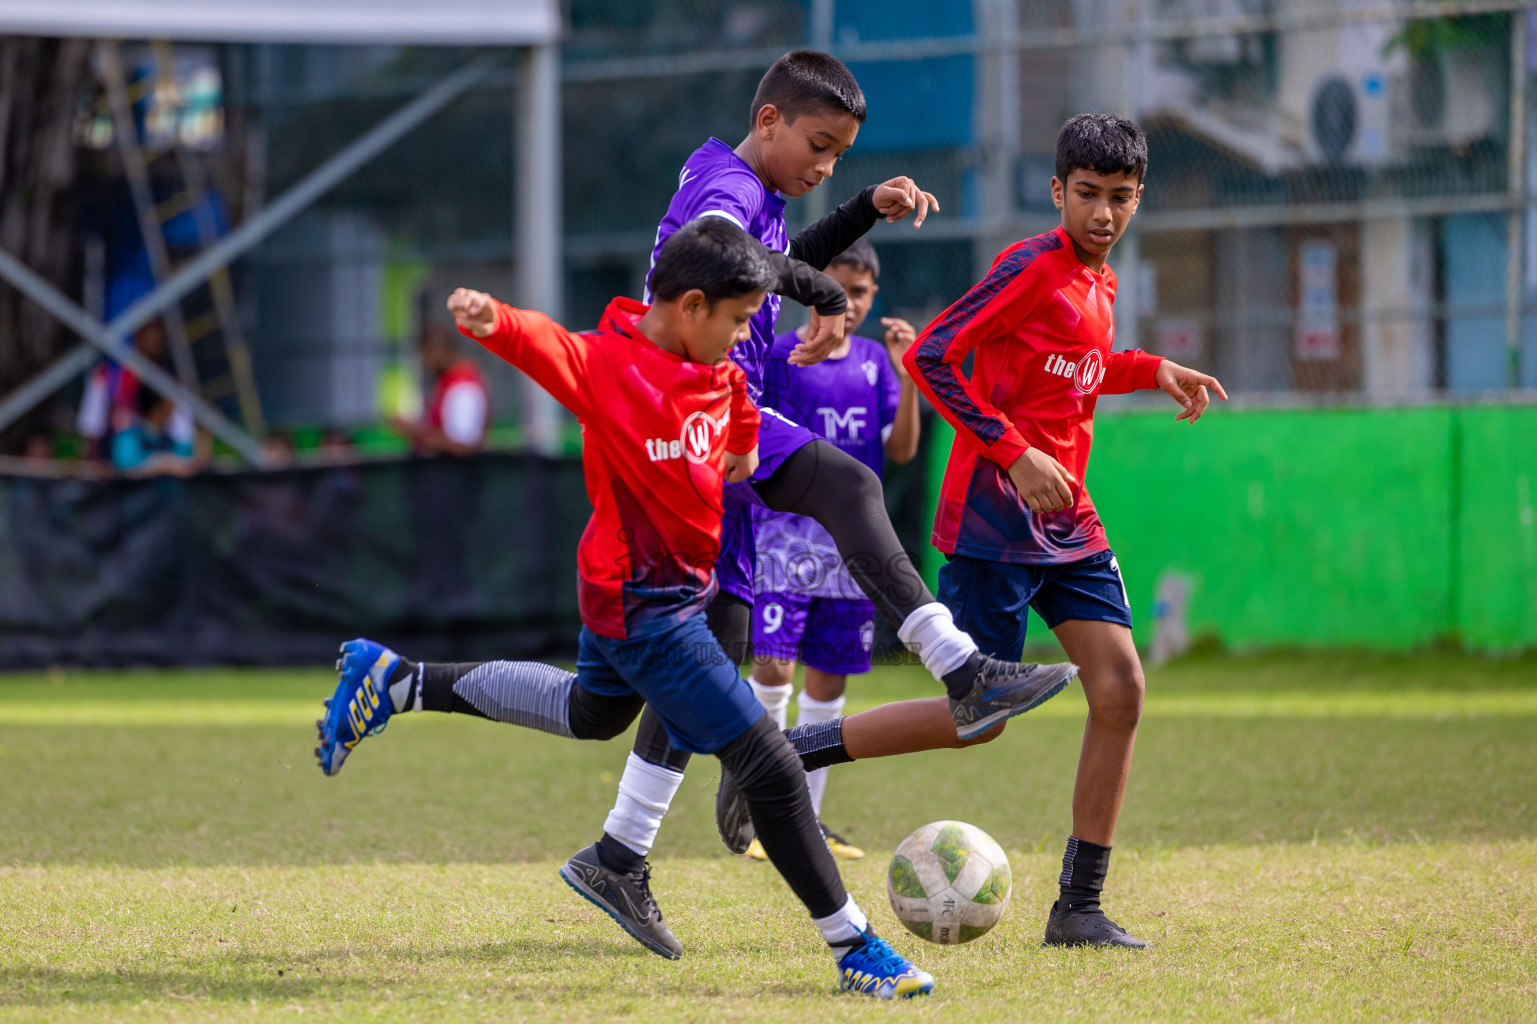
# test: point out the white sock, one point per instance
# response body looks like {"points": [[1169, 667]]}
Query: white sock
{"points": [[775, 700], [645, 791], [811, 710], [844, 926], [931, 634]]}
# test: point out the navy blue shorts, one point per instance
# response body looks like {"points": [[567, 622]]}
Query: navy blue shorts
{"points": [[990, 600], [684, 675]]}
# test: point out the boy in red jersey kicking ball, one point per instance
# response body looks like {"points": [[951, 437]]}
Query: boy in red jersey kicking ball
{"points": [[666, 423], [1014, 520]]}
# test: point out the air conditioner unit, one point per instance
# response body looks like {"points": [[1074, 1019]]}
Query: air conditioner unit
{"points": [[1336, 92], [1449, 100]]}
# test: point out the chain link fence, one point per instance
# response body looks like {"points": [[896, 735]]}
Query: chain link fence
{"points": [[1338, 206]]}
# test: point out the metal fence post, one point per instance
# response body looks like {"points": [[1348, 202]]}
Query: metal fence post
{"points": [[1516, 183]]}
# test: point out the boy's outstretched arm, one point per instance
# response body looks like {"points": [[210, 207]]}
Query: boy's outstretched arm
{"points": [[1135, 370], [817, 245], [1190, 388], [902, 445], [554, 357], [803, 283], [992, 308], [741, 432], [893, 200]]}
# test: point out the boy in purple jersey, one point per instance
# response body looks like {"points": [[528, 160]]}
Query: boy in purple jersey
{"points": [[805, 114], [805, 605]]}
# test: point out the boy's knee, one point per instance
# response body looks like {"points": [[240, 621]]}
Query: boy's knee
{"points": [[594, 717], [773, 672], [763, 762], [1116, 698], [863, 482]]}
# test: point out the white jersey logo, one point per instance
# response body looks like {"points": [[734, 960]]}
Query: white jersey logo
{"points": [[1086, 373], [694, 441], [872, 372], [854, 418], [699, 433]]}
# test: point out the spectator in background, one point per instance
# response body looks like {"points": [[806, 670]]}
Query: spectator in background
{"points": [[38, 447], [109, 404], [278, 447], [458, 407], [443, 495], [147, 446]]}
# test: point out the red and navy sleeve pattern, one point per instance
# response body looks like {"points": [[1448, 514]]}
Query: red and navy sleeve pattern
{"points": [[994, 305]]}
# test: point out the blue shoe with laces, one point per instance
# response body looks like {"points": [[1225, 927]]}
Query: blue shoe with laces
{"points": [[873, 968], [361, 704]]}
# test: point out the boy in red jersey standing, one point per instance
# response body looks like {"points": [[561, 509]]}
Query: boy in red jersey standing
{"points": [[1015, 522], [666, 422]]}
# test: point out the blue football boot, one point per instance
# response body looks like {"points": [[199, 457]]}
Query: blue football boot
{"points": [[873, 968], [361, 704]]}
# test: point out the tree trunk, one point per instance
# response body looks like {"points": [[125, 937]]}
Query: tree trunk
{"points": [[40, 86]]}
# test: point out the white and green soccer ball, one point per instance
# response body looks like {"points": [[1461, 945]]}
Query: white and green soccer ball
{"points": [[949, 882]]}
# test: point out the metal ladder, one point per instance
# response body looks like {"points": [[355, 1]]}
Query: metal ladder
{"points": [[223, 320]]}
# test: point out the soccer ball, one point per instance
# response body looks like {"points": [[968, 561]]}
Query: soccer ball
{"points": [[949, 882]]}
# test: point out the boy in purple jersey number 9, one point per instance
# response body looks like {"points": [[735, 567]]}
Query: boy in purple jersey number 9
{"points": [[805, 605], [806, 113]]}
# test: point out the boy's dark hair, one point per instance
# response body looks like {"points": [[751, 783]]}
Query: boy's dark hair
{"points": [[809, 82], [147, 400], [1102, 143], [715, 256], [860, 256]]}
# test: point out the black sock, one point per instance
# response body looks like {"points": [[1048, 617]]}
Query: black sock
{"points": [[819, 744], [437, 685], [958, 682], [1084, 867], [618, 857]]}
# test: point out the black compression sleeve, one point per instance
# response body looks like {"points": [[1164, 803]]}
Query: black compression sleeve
{"points": [[808, 286], [770, 774], [819, 243]]}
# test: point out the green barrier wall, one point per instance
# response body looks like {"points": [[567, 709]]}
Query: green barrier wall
{"points": [[1377, 528]]}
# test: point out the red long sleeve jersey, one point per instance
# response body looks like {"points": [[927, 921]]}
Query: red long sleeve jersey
{"points": [[655, 430], [1041, 327]]}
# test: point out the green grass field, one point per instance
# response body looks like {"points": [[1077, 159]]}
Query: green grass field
{"points": [[1305, 837]]}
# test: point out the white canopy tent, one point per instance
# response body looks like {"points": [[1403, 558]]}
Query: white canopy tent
{"points": [[532, 25], [442, 22]]}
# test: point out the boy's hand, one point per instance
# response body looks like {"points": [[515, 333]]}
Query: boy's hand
{"points": [[823, 334], [1189, 388], [1042, 481], [898, 197], [740, 467], [474, 311], [900, 336]]}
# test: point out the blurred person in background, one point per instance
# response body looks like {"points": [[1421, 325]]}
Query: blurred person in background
{"points": [[148, 444], [458, 408], [443, 495], [278, 447], [109, 404]]}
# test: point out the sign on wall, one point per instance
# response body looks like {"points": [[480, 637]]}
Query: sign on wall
{"points": [[1318, 323]]}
